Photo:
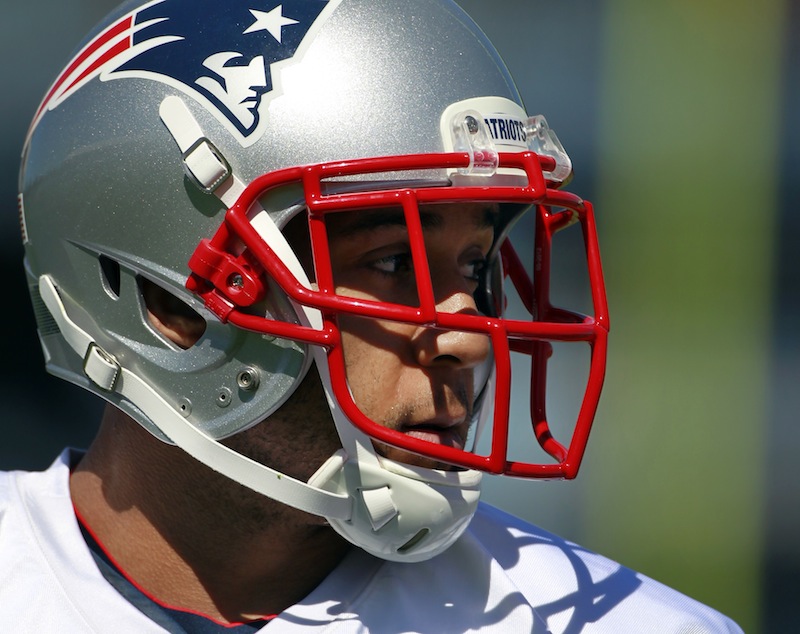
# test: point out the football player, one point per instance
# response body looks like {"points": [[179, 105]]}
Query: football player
{"points": [[275, 238]]}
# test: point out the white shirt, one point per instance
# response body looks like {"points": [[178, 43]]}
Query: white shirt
{"points": [[503, 576]]}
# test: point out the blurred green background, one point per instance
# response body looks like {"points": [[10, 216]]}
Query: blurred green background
{"points": [[681, 117]]}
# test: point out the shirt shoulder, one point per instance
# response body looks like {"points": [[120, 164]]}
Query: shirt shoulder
{"points": [[44, 562], [575, 589], [502, 575]]}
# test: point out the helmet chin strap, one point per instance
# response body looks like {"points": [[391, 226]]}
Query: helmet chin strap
{"points": [[392, 511], [109, 375]]}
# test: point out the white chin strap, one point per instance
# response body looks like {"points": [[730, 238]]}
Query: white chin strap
{"points": [[393, 511], [102, 369]]}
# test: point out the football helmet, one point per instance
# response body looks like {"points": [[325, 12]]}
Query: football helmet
{"points": [[177, 145]]}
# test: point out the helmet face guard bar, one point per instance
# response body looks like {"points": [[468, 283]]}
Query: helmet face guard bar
{"points": [[231, 279]]}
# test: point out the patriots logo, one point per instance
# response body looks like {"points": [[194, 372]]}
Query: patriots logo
{"points": [[225, 54]]}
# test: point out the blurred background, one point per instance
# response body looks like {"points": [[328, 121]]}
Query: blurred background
{"points": [[681, 117]]}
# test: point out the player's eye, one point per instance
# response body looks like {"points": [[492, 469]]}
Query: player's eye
{"points": [[394, 264], [473, 269]]}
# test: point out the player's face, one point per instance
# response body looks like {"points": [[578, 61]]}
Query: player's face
{"points": [[414, 379], [411, 378]]}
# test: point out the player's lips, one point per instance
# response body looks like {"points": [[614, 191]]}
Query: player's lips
{"points": [[447, 432]]}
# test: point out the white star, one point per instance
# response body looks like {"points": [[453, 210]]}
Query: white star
{"points": [[272, 21]]}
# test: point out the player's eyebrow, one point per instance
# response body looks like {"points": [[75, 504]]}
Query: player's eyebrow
{"points": [[363, 222]]}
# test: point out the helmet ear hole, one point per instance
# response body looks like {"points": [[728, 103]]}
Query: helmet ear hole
{"points": [[171, 317], [109, 270]]}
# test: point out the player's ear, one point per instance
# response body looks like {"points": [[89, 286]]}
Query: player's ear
{"points": [[170, 316]]}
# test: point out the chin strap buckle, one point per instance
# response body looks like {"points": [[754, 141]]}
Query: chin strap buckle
{"points": [[204, 164], [101, 367], [380, 506]]}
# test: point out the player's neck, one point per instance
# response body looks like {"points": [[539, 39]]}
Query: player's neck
{"points": [[193, 539]]}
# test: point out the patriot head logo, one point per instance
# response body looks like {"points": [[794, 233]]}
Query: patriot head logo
{"points": [[225, 54]]}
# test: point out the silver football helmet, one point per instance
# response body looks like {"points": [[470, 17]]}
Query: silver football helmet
{"points": [[176, 146]]}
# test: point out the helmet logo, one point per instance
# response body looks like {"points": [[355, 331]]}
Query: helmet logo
{"points": [[227, 55]]}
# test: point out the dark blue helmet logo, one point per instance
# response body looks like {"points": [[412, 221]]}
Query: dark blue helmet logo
{"points": [[222, 52]]}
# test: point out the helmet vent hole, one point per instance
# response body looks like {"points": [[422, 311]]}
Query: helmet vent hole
{"points": [[409, 545], [111, 276]]}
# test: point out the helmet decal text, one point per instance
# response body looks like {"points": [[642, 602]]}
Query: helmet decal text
{"points": [[507, 130]]}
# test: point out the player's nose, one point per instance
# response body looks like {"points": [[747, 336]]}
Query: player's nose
{"points": [[460, 348]]}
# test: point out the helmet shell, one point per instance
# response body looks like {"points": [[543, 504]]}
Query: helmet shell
{"points": [[106, 201]]}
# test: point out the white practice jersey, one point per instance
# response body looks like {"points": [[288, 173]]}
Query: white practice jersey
{"points": [[502, 576]]}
